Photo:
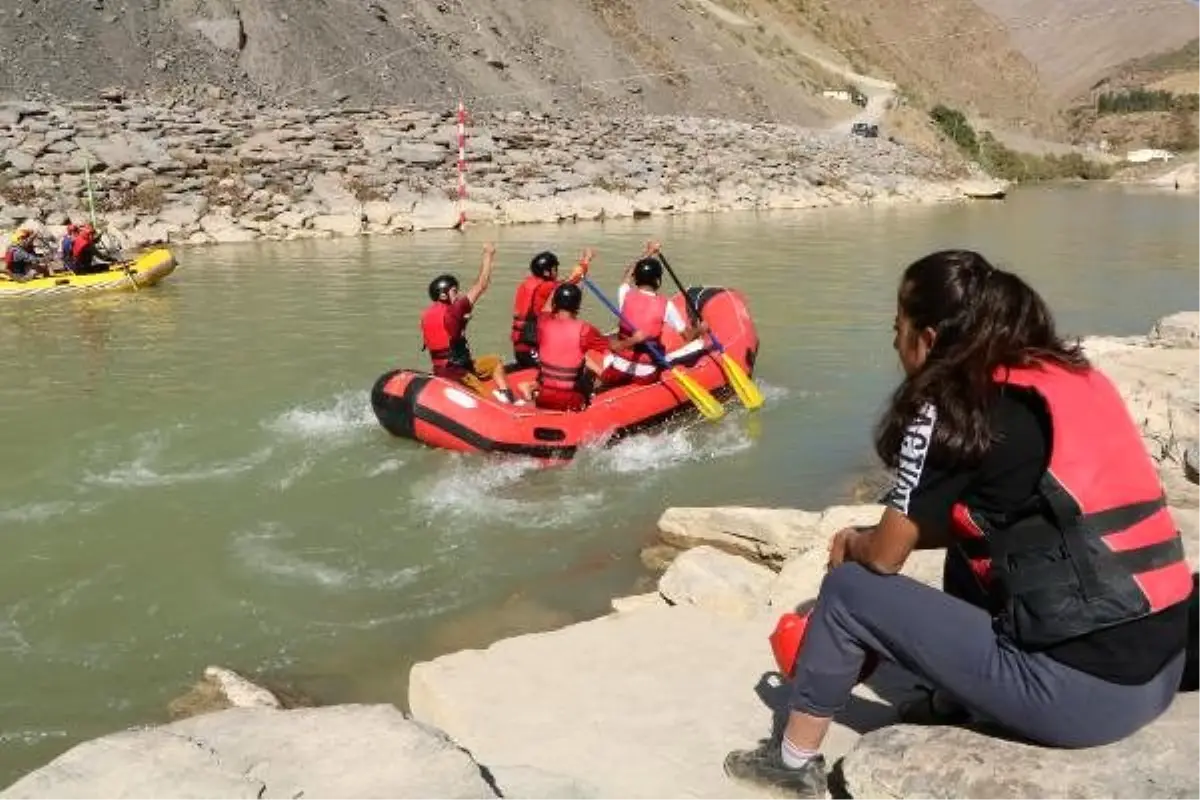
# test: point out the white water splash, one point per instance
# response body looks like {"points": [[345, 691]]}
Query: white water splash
{"points": [[29, 737], [265, 551], [12, 640], [146, 469], [481, 489], [773, 394], [294, 473], [385, 467], [668, 449], [37, 512], [348, 413]]}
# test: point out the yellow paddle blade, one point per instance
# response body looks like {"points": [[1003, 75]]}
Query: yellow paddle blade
{"points": [[746, 389], [699, 396]]}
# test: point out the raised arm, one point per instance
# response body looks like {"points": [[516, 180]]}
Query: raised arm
{"points": [[652, 248], [577, 274], [485, 274]]}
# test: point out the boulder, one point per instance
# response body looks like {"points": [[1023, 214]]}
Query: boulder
{"points": [[910, 761], [225, 33], [1177, 330], [722, 583], [641, 704], [223, 229], [800, 578], [340, 224], [421, 153], [633, 602], [517, 212], [335, 751], [771, 534], [1160, 386], [1191, 462], [433, 212]]}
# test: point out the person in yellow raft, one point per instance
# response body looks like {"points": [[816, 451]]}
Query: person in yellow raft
{"points": [[21, 259], [444, 332]]}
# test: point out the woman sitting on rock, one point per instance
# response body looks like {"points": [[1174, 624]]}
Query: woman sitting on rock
{"points": [[1064, 615]]}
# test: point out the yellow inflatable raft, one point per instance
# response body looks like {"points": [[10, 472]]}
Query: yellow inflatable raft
{"points": [[146, 269]]}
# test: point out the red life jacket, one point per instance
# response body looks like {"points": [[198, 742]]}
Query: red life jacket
{"points": [[645, 313], [525, 316], [435, 331], [9, 257], [79, 244], [560, 353], [1097, 546]]}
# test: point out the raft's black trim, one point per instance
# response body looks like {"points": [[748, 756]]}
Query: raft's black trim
{"points": [[481, 442], [549, 434], [395, 413], [398, 414], [700, 295]]}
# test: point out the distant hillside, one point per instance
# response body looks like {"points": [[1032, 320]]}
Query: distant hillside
{"points": [[1151, 101], [1074, 43], [1014, 60]]}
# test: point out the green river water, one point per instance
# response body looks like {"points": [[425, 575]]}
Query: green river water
{"points": [[193, 474]]}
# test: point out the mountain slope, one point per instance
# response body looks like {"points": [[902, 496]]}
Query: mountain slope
{"points": [[1075, 43], [1013, 60]]}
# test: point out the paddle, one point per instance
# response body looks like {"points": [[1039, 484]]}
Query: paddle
{"points": [[87, 175], [746, 389], [700, 397]]}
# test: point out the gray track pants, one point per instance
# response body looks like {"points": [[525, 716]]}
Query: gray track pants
{"points": [[950, 643]]}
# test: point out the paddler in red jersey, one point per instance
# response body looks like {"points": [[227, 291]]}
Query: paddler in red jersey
{"points": [[532, 299], [444, 331], [566, 369]]}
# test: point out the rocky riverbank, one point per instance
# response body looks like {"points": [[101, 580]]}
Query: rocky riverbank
{"points": [[645, 702], [222, 172]]}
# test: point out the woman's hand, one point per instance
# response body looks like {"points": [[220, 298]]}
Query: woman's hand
{"points": [[839, 546]]}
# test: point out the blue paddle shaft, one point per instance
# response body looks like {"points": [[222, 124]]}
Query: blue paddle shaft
{"points": [[654, 351]]}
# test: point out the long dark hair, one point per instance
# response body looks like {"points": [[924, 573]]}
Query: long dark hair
{"points": [[984, 318]]}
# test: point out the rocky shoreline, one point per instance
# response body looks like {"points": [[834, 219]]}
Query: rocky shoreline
{"points": [[644, 702], [197, 174]]}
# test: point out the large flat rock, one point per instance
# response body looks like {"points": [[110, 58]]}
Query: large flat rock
{"points": [[769, 534], [335, 751], [638, 704], [908, 761]]}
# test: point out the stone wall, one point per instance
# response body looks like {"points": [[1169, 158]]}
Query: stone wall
{"points": [[195, 174]]}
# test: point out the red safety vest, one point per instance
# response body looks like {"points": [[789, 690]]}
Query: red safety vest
{"points": [[435, 332], [1097, 546], [9, 257], [560, 353], [525, 316], [645, 313], [79, 245]]}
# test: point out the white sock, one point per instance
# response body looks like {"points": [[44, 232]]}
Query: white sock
{"points": [[795, 757]]}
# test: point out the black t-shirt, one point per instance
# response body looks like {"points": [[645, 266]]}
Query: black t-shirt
{"points": [[925, 490]]}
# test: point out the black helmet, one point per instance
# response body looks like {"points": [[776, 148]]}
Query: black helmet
{"points": [[543, 264], [647, 272], [567, 297], [440, 285]]}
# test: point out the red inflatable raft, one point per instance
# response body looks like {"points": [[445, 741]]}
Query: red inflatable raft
{"points": [[441, 413]]}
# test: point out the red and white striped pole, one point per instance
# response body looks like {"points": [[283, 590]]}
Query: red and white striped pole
{"points": [[462, 165]]}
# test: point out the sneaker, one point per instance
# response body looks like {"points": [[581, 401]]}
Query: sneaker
{"points": [[933, 707], [764, 767]]}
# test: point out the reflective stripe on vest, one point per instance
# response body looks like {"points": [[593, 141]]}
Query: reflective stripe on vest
{"points": [[560, 353], [525, 316], [435, 333], [646, 313], [1097, 547]]}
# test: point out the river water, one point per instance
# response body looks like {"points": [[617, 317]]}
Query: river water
{"points": [[194, 475]]}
